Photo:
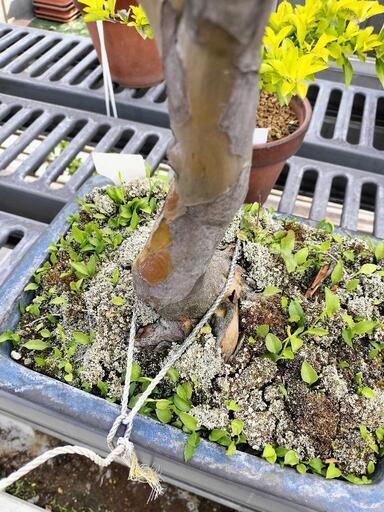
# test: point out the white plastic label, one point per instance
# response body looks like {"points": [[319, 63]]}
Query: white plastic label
{"points": [[118, 166], [260, 135]]}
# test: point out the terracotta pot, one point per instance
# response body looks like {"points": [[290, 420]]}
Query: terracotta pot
{"points": [[269, 159], [133, 61]]}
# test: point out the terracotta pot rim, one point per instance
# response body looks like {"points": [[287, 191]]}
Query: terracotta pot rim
{"points": [[292, 136]]}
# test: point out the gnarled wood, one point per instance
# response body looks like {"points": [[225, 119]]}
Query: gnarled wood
{"points": [[211, 57]]}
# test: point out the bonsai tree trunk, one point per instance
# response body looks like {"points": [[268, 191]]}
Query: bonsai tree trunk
{"points": [[211, 57]]}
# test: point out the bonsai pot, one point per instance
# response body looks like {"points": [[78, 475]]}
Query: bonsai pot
{"points": [[133, 61], [269, 159], [243, 481]]}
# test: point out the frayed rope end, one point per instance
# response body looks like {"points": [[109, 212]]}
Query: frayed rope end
{"points": [[140, 472]]}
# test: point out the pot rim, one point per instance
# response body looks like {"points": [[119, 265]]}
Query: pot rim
{"points": [[297, 133], [76, 416]]}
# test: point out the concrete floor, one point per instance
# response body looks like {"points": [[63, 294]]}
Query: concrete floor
{"points": [[74, 484]]}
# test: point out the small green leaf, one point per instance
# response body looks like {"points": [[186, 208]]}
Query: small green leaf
{"points": [[359, 378], [36, 345], [290, 263], [164, 415], [332, 472], [135, 372], [338, 272], [262, 330], [269, 454], [370, 467], [216, 434], [326, 226], [237, 427], [347, 337], [189, 421], [118, 301], [348, 74], [231, 450], [367, 392], [296, 312], [81, 268], [181, 404], [291, 459], [114, 279], [349, 255], [232, 406], [296, 343], [352, 285], [191, 445], [103, 387], [6, 336], [31, 287], [271, 290], [368, 269], [184, 391], [332, 303], [287, 244], [358, 481], [173, 375], [58, 300], [301, 256], [281, 451], [365, 327], [273, 343], [379, 251], [40, 361], [68, 367], [317, 465], [380, 434], [287, 353], [316, 331], [301, 468], [81, 338], [308, 373], [366, 436]]}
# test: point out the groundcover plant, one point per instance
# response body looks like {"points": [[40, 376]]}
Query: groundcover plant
{"points": [[295, 375]]}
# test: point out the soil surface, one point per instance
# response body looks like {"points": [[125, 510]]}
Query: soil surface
{"points": [[74, 484], [304, 382], [280, 119]]}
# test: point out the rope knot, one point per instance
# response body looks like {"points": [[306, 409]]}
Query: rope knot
{"points": [[127, 449]]}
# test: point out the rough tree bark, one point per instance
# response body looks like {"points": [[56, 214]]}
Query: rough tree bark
{"points": [[211, 57]]}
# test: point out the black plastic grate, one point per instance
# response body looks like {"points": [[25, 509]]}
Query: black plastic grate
{"points": [[45, 152], [347, 126], [17, 235], [56, 67], [356, 192]]}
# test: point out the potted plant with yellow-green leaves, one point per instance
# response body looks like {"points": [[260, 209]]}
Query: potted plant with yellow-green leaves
{"points": [[133, 57], [300, 41]]}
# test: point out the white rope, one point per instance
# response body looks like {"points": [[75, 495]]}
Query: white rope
{"points": [[124, 448], [109, 95]]}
